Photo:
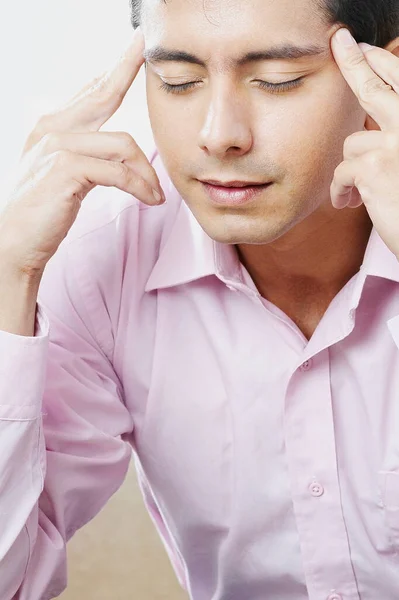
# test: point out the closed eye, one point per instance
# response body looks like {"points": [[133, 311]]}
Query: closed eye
{"points": [[266, 85]]}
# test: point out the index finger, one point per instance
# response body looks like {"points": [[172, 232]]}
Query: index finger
{"points": [[118, 80], [98, 101], [374, 94]]}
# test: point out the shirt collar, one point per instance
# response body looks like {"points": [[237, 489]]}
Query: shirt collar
{"points": [[379, 261], [190, 254]]}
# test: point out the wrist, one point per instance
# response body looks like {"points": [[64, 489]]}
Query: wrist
{"points": [[18, 301], [17, 261]]}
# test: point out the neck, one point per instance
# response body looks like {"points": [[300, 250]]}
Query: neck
{"points": [[312, 262]]}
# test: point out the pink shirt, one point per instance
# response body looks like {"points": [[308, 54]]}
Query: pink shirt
{"points": [[269, 464]]}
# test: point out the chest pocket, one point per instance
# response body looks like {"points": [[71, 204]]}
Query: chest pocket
{"points": [[389, 496]]}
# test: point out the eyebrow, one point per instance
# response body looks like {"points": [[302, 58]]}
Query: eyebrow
{"points": [[284, 52]]}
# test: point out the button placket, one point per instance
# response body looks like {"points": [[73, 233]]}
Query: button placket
{"points": [[310, 428]]}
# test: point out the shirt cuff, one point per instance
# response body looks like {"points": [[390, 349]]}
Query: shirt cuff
{"points": [[23, 362]]}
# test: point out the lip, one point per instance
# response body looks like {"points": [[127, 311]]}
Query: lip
{"points": [[234, 195], [233, 184]]}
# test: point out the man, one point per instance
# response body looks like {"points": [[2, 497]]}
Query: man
{"points": [[242, 338]]}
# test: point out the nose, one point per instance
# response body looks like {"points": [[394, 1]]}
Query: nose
{"points": [[226, 130]]}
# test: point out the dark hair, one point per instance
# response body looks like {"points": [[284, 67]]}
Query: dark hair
{"points": [[373, 21]]}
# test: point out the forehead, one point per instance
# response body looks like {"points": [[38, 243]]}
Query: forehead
{"points": [[232, 19]]}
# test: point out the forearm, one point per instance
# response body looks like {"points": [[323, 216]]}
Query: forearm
{"points": [[23, 363], [18, 298]]}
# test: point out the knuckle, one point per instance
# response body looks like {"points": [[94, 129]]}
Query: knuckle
{"points": [[50, 143], [374, 160], [122, 172], [61, 158], [129, 144], [40, 129], [355, 60], [371, 87]]}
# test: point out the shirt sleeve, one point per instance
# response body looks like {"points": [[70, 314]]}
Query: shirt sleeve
{"points": [[62, 416]]}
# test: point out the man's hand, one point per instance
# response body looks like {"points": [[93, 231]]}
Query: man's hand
{"points": [[64, 158], [369, 173]]}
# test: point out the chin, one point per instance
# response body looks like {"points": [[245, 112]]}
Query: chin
{"points": [[241, 230]]}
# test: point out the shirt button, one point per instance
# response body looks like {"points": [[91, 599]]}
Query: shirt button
{"points": [[335, 596], [317, 490], [306, 365]]}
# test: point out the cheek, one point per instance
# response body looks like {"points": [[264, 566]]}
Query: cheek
{"points": [[167, 112], [308, 133], [170, 125], [333, 113]]}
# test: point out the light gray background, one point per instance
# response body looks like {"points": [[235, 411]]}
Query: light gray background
{"points": [[49, 49]]}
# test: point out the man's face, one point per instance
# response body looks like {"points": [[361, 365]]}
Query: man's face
{"points": [[227, 127]]}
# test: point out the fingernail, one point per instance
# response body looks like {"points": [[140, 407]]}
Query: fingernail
{"points": [[366, 47], [158, 197], [345, 38]]}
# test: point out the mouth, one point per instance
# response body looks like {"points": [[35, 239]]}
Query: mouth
{"points": [[234, 184], [233, 193]]}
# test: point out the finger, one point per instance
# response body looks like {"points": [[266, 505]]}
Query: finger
{"points": [[88, 86], [376, 97], [363, 141], [114, 146], [384, 63], [355, 199], [343, 184], [98, 101], [87, 172]]}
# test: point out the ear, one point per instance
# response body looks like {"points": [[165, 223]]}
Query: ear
{"points": [[392, 47]]}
